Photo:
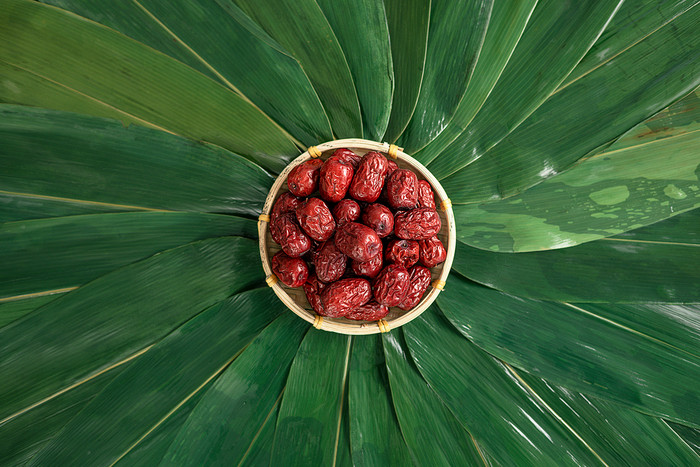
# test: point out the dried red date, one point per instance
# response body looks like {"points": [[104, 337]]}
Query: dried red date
{"points": [[371, 311], [391, 167], [403, 252], [285, 231], [379, 218], [347, 157], [432, 252], [285, 203], [369, 178], [358, 241], [368, 268], [420, 280], [316, 219], [417, 224], [402, 189], [329, 262], [426, 197], [293, 272], [313, 288], [334, 180], [347, 210], [391, 285], [341, 297], [303, 179]]}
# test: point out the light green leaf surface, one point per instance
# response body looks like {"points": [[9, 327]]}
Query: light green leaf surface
{"points": [[690, 436], [456, 35], [98, 64], [579, 347]]}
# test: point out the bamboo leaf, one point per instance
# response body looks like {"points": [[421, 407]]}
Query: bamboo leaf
{"points": [[12, 310], [456, 35], [261, 450], [690, 436], [652, 367], [98, 64]]}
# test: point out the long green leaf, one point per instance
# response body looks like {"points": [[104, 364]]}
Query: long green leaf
{"points": [[261, 450], [557, 36], [457, 31], [587, 348], [506, 26], [12, 310], [374, 430], [301, 28], [690, 436], [589, 113], [408, 22], [433, 435], [224, 426], [97, 164], [509, 424], [101, 65], [116, 316]]}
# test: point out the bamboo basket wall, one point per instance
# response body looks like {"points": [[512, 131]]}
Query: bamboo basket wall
{"points": [[295, 299]]}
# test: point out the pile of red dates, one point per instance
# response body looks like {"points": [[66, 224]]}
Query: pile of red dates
{"points": [[369, 236]]}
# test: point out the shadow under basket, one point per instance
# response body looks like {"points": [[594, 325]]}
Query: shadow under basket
{"points": [[295, 298]]}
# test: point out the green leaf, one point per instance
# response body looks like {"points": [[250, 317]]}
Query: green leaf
{"points": [[557, 36], [614, 269], [689, 435], [374, 430], [510, 425], [456, 35], [97, 164], [101, 65], [116, 317], [15, 207], [227, 423], [506, 26], [302, 29], [408, 33], [48, 254], [310, 416], [647, 77], [343, 457], [626, 186], [433, 435], [11, 310], [588, 348], [261, 449]]}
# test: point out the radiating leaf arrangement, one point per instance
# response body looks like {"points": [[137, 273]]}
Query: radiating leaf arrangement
{"points": [[138, 140]]}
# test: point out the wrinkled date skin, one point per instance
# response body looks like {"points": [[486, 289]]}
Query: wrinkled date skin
{"points": [[368, 268], [285, 231], [293, 272], [369, 178], [432, 252], [285, 203], [403, 252], [316, 219], [329, 262], [417, 224], [358, 241], [334, 180], [391, 285], [371, 311], [419, 282], [402, 189], [313, 288], [426, 197], [303, 179], [379, 217], [341, 297], [391, 167], [347, 210], [346, 156]]}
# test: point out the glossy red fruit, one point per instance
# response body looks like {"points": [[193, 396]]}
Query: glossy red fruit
{"points": [[313, 288], [391, 167], [285, 203], [303, 179], [293, 272], [341, 297], [316, 219], [334, 180], [285, 231], [379, 218], [329, 262], [402, 189], [346, 156], [358, 241], [426, 197], [347, 210], [391, 285], [368, 268], [403, 252], [371, 311], [432, 252], [369, 177], [417, 224], [419, 282]]}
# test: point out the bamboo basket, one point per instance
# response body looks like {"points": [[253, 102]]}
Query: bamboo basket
{"points": [[295, 298]]}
